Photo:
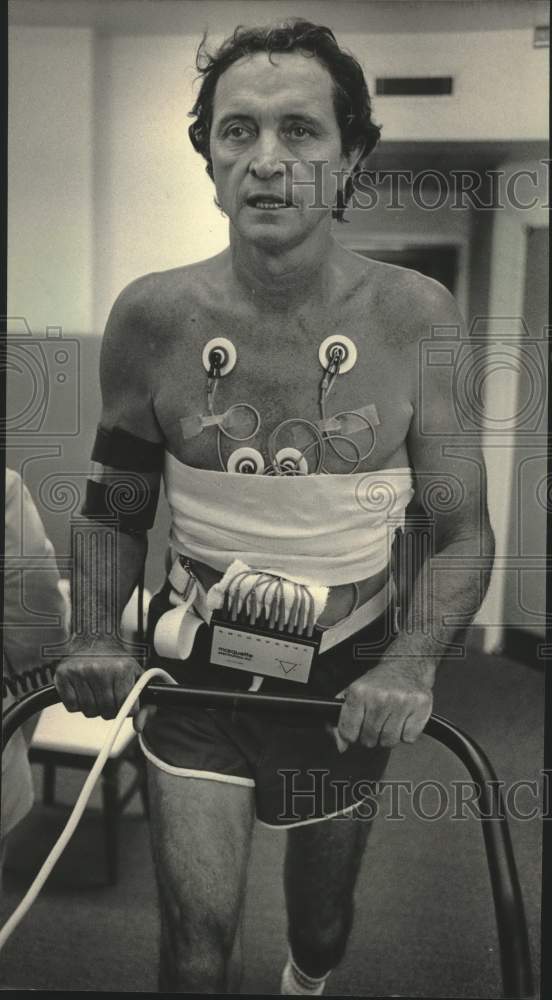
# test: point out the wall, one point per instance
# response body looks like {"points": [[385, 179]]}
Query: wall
{"points": [[153, 201], [50, 212], [524, 590], [476, 109], [507, 441], [54, 466]]}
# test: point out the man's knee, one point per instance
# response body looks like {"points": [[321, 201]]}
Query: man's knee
{"points": [[189, 926], [195, 948]]}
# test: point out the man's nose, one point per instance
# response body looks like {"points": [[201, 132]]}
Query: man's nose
{"points": [[267, 157]]}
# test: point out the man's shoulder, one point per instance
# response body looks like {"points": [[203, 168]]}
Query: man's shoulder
{"points": [[153, 297], [408, 303]]}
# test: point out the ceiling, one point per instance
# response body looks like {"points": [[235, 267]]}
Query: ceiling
{"points": [[183, 16]]}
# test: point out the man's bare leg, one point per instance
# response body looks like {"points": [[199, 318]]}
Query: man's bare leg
{"points": [[200, 832], [234, 974], [321, 868]]}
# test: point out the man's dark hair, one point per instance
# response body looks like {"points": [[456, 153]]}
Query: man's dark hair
{"points": [[351, 98]]}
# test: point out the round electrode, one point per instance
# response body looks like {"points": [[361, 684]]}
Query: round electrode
{"points": [[225, 353], [248, 461], [347, 352], [291, 460]]}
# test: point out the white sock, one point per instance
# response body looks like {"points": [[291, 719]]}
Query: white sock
{"points": [[295, 982]]}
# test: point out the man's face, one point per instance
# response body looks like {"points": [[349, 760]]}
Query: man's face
{"points": [[266, 113]]}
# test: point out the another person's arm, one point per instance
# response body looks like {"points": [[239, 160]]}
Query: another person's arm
{"points": [[34, 619], [125, 476], [393, 701], [34, 606]]}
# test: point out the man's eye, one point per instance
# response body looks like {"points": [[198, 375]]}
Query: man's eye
{"points": [[236, 132], [299, 132]]}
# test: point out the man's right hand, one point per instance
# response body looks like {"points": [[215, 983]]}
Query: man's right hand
{"points": [[96, 679]]}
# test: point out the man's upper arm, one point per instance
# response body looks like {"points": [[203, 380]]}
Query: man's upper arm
{"points": [[444, 439], [126, 365], [127, 456]]}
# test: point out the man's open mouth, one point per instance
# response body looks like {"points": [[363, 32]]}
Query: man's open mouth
{"points": [[267, 201]]}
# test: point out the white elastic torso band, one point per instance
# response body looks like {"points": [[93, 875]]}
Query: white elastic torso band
{"points": [[323, 529]]}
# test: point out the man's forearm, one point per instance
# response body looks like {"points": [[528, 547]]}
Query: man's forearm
{"points": [[446, 595], [106, 568]]}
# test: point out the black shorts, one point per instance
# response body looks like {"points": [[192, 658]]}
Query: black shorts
{"points": [[293, 764]]}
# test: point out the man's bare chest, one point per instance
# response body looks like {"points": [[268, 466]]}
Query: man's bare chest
{"points": [[271, 404]]}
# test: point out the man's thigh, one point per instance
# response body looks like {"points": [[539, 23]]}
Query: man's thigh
{"points": [[200, 834]]}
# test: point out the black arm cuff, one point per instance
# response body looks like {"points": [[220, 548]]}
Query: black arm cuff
{"points": [[122, 450], [132, 501]]}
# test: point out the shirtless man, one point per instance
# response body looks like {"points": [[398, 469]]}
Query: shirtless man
{"points": [[281, 288]]}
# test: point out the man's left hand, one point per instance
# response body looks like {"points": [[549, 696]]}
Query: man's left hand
{"points": [[387, 705]]}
